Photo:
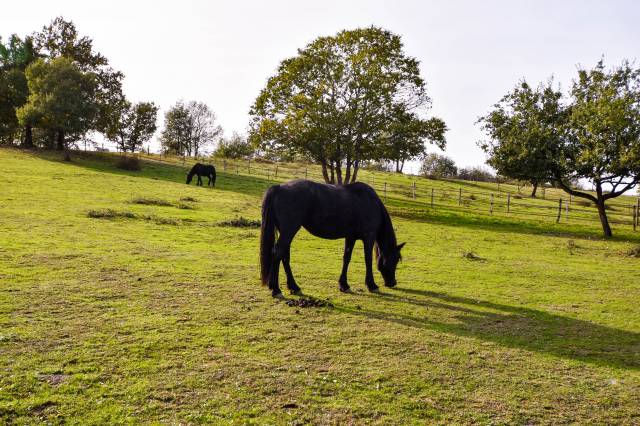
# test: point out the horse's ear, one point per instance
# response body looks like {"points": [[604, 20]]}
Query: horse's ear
{"points": [[400, 246]]}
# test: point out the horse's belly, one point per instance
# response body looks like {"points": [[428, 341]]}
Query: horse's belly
{"points": [[327, 232]]}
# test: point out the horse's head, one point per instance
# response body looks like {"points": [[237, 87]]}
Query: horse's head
{"points": [[189, 177], [388, 262]]}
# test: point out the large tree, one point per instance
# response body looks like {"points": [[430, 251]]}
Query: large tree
{"points": [[343, 100], [438, 166], [602, 137], [15, 56], [61, 39], [524, 131], [61, 99]]}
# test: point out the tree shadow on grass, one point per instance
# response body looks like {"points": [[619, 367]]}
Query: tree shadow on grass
{"points": [[157, 170], [513, 326]]}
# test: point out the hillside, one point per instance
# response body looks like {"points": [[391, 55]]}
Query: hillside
{"points": [[132, 297]]}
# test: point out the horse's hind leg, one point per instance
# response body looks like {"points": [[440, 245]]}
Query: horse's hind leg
{"points": [[199, 180], [291, 282], [346, 258]]}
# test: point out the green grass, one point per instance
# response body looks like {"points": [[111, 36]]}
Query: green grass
{"points": [[152, 313]]}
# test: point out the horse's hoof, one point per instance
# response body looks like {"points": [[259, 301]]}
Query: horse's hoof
{"points": [[374, 289], [390, 285], [279, 296], [297, 292], [346, 289]]}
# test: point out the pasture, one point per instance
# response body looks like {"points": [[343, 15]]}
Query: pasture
{"points": [[130, 297]]}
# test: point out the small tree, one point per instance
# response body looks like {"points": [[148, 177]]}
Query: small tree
{"points": [[476, 174], [189, 128], [438, 166], [61, 99], [135, 126], [235, 147]]}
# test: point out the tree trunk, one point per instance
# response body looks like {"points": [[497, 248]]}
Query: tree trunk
{"points": [[325, 174], [398, 166], [60, 140], [602, 212], [339, 173], [356, 167], [333, 177], [535, 188], [347, 175], [28, 137]]}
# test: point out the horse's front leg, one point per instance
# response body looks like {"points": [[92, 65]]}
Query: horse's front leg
{"points": [[209, 184], [368, 252], [199, 180], [346, 258]]}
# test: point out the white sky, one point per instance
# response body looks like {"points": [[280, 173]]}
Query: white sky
{"points": [[221, 53]]}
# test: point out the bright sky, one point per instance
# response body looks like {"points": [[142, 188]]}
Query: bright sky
{"points": [[221, 53]]}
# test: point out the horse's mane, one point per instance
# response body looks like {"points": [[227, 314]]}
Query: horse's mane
{"points": [[386, 238]]}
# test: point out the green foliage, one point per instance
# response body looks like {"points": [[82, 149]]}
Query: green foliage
{"points": [[61, 98], [525, 129], [234, 147], [438, 166], [135, 126], [595, 136], [346, 99]]}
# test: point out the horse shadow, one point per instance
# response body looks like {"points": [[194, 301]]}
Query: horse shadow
{"points": [[513, 326]]}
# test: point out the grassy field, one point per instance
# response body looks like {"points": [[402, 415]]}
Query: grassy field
{"points": [[130, 297]]}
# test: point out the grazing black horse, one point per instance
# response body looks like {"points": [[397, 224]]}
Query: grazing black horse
{"points": [[202, 170], [353, 212]]}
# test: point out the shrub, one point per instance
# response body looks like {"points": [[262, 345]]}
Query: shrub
{"points": [[151, 201], [129, 163], [109, 214]]}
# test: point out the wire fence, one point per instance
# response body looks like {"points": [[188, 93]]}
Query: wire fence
{"points": [[422, 193]]}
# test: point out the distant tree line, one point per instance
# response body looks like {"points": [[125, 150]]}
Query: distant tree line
{"points": [[56, 90]]}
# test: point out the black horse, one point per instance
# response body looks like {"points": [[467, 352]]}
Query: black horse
{"points": [[202, 170], [353, 212]]}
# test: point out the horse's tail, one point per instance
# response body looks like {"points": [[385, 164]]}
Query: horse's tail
{"points": [[267, 235]]}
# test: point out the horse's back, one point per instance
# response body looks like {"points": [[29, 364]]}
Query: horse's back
{"points": [[325, 210]]}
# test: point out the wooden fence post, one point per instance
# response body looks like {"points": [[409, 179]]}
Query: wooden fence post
{"points": [[237, 169], [638, 213], [635, 217], [276, 171], [249, 166], [385, 192], [460, 196], [544, 192], [306, 172], [566, 212], [491, 205], [508, 202], [431, 197], [559, 210], [414, 189]]}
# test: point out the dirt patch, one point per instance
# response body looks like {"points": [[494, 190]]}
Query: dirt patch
{"points": [[634, 252], [151, 202], [469, 255], [53, 379], [110, 214], [189, 199], [241, 222], [309, 303]]}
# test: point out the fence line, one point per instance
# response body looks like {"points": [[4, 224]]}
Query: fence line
{"points": [[432, 196]]}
